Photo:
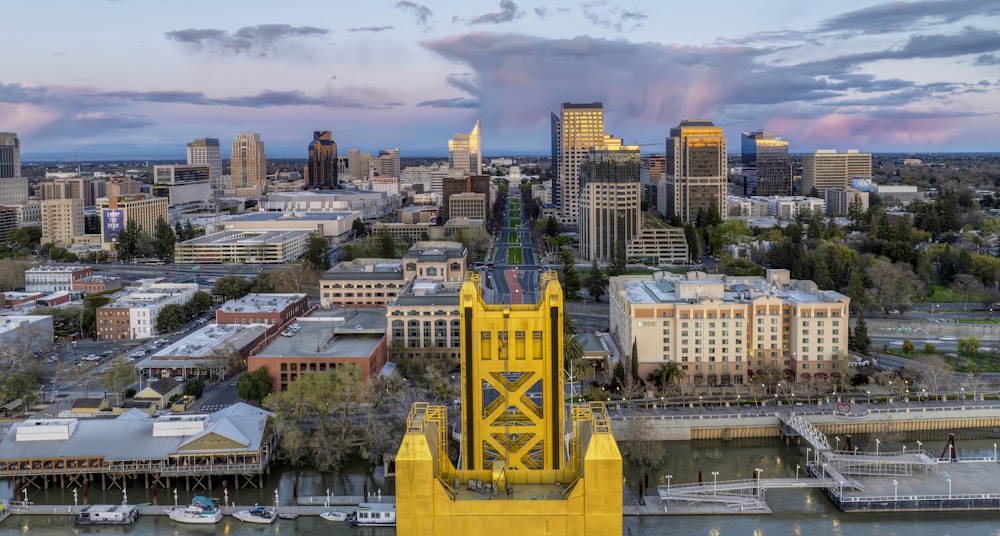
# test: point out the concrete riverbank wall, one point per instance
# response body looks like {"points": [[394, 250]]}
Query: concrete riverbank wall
{"points": [[726, 426]]}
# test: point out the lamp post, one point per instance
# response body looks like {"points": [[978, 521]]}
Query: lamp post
{"points": [[994, 452], [895, 490], [838, 441], [715, 483], [668, 477], [824, 470], [869, 397], [759, 491], [808, 450], [963, 397], [949, 488], [855, 449], [877, 443], [796, 471], [904, 450], [920, 445]]}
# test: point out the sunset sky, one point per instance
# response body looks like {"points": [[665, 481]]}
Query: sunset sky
{"points": [[131, 78]]}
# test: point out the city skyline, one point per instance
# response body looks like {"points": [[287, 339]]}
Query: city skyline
{"points": [[143, 79]]}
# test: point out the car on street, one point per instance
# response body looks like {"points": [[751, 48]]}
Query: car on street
{"points": [[108, 352], [92, 357]]}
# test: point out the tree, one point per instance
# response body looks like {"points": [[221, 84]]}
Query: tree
{"points": [[230, 287], [969, 347], [667, 375], [634, 361], [255, 386], [894, 285], [966, 285], [859, 340], [358, 227], [693, 241], [120, 377], [317, 253], [179, 231], [228, 359], [908, 346], [619, 262], [595, 282], [571, 283], [551, 227], [23, 386], [26, 237], [127, 245], [170, 318], [12, 274], [929, 348], [194, 387], [199, 303], [386, 246], [163, 240], [189, 231]]}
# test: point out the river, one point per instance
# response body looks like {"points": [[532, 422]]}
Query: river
{"points": [[795, 511]]}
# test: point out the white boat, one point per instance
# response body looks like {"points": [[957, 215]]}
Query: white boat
{"points": [[334, 516], [257, 514], [202, 510], [288, 516], [374, 515], [107, 514]]}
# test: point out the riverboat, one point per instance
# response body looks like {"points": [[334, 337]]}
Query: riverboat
{"points": [[374, 515], [257, 514], [107, 514]]}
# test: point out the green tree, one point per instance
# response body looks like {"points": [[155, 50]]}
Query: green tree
{"points": [[618, 264], [969, 347], [693, 238], [179, 231], [595, 282], [551, 227], [386, 246], [908, 346], [667, 375], [317, 253], [194, 387], [120, 377], [23, 386], [189, 231], [358, 227], [231, 287], [25, 237], [163, 240], [571, 279], [128, 243], [170, 318], [929, 348], [199, 303], [859, 340], [634, 361], [255, 386]]}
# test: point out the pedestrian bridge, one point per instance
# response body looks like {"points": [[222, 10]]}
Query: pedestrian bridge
{"points": [[745, 494]]}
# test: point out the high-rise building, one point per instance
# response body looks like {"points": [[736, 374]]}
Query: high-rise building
{"points": [[87, 189], [766, 168], [386, 164], [62, 219], [578, 129], [321, 172], [826, 168], [465, 152], [13, 187], [205, 151], [359, 164], [610, 215], [248, 165], [182, 184], [116, 212], [696, 169], [653, 182]]}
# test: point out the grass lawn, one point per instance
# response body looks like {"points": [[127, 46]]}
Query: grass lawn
{"points": [[983, 362], [515, 222], [944, 294], [513, 238], [514, 256]]}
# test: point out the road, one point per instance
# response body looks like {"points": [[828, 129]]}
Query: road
{"points": [[514, 283]]}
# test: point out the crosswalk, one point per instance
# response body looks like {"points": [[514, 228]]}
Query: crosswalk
{"points": [[212, 408]]}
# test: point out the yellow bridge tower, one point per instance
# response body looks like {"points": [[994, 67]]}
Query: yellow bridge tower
{"points": [[519, 468]]}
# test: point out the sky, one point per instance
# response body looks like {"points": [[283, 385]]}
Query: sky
{"points": [[140, 78]]}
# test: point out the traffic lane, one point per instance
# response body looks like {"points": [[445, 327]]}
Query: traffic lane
{"points": [[517, 296]]}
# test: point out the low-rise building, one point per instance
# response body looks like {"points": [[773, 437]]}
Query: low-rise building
{"points": [[334, 226], [243, 247], [215, 350], [326, 341], [273, 310], [23, 335], [133, 314], [425, 319], [469, 205], [659, 245], [97, 283], [439, 260], [54, 277], [14, 300], [361, 282], [724, 330]]}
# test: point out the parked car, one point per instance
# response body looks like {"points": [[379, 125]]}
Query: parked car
{"points": [[92, 357]]}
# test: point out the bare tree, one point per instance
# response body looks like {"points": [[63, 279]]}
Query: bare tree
{"points": [[12, 274], [966, 285], [935, 373]]}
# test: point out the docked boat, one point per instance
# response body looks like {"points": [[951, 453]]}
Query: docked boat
{"points": [[107, 514], [374, 515], [288, 516], [202, 510], [257, 514], [334, 516]]}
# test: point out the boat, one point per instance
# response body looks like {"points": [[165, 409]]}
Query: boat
{"points": [[202, 510], [107, 514], [288, 516], [334, 516], [257, 514], [374, 515]]}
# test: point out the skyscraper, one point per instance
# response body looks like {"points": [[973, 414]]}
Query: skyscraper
{"points": [[465, 152], [13, 187], [766, 169], [578, 128], [387, 163], [322, 168], [359, 164], [610, 216], [696, 169], [205, 152], [826, 168], [248, 165]]}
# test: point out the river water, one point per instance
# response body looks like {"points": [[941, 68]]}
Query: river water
{"points": [[795, 511]]}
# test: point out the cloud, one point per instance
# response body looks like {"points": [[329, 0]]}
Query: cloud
{"points": [[262, 40], [423, 13], [651, 86], [508, 12], [899, 16], [987, 59], [543, 12], [374, 29], [615, 18], [109, 120]]}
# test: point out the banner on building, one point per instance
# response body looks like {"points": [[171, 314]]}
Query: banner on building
{"points": [[114, 223]]}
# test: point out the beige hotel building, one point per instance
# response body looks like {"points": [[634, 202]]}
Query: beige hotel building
{"points": [[724, 330]]}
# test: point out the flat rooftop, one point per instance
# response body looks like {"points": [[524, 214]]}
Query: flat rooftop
{"points": [[56, 268], [201, 343], [291, 216], [322, 337], [261, 303], [247, 237]]}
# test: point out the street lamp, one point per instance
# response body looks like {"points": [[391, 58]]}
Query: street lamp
{"points": [[895, 490], [855, 449], [920, 445], [715, 483], [808, 450], [949, 488], [668, 477], [824, 470], [838, 441], [994, 452], [869, 397], [877, 443], [796, 471], [758, 471]]}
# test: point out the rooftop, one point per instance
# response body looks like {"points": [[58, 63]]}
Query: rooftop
{"points": [[429, 292], [325, 337], [741, 289], [147, 296], [201, 343], [56, 268], [261, 303], [291, 216], [367, 269], [248, 237]]}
